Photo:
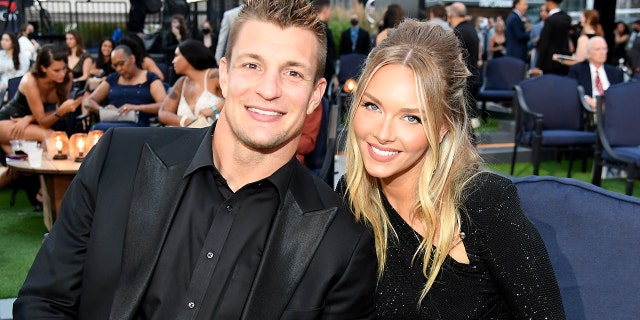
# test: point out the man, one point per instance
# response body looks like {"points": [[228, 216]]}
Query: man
{"points": [[466, 33], [593, 74], [214, 223], [323, 10], [27, 44], [515, 33], [553, 40], [355, 39], [438, 15], [534, 35], [225, 25]]}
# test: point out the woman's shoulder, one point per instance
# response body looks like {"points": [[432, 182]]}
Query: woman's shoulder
{"points": [[488, 192]]}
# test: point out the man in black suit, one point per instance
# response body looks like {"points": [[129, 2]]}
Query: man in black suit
{"points": [[355, 39], [593, 74], [516, 35], [554, 39], [213, 223]]}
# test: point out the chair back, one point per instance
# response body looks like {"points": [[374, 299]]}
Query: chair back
{"points": [[591, 235], [12, 86], [503, 73], [555, 97], [350, 66], [622, 114]]}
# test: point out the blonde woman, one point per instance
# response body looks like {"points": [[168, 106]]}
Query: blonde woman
{"points": [[452, 241]]}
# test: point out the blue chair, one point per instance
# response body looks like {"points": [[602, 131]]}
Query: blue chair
{"points": [[350, 66], [12, 87], [591, 235], [618, 143], [550, 113], [499, 75]]}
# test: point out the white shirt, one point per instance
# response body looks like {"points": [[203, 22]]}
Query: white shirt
{"points": [[551, 12], [603, 79], [8, 70], [27, 47]]}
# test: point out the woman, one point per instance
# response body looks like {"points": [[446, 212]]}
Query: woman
{"points": [[392, 17], [79, 60], [621, 35], [177, 34], [13, 62], [129, 89], [208, 37], [498, 41], [102, 66], [41, 101], [590, 23], [451, 239], [143, 60], [196, 98]]}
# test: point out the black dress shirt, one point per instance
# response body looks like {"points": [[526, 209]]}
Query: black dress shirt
{"points": [[213, 249]]}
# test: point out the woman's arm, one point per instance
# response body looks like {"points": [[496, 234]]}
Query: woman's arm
{"points": [[157, 93], [150, 65], [86, 68], [97, 97], [169, 107]]}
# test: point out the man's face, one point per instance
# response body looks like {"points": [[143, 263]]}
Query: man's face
{"points": [[598, 51], [522, 6], [269, 86]]}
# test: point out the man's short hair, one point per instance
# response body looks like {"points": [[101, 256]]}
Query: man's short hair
{"points": [[515, 3], [556, 1], [284, 14], [318, 5], [438, 11]]}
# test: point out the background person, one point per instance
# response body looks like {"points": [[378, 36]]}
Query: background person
{"points": [[393, 15], [214, 223], [129, 89], [590, 23], [355, 39], [79, 59], [516, 32], [621, 34], [452, 240], [13, 62], [554, 39], [209, 37], [27, 44], [498, 42], [143, 60], [196, 97]]}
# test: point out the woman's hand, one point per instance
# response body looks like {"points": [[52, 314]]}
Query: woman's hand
{"points": [[207, 112], [126, 108], [19, 125], [70, 105]]}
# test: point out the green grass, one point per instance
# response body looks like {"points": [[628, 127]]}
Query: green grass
{"points": [[21, 231], [560, 168]]}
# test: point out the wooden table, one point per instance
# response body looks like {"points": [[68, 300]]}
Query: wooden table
{"points": [[55, 177]]}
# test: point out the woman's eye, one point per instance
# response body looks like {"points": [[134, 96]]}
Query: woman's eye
{"points": [[413, 119], [370, 106]]}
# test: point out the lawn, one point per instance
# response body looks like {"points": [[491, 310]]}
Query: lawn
{"points": [[21, 232]]}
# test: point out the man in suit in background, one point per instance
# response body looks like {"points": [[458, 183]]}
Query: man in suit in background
{"points": [[554, 39], [515, 33], [225, 26], [215, 223], [593, 74], [355, 39]]}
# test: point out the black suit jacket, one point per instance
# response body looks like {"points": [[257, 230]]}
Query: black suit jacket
{"points": [[101, 253], [517, 37], [554, 38], [363, 44], [582, 73]]}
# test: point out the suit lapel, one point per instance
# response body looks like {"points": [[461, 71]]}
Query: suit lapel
{"points": [[295, 235], [156, 190]]}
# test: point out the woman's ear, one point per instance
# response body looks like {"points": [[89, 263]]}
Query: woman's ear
{"points": [[443, 133]]}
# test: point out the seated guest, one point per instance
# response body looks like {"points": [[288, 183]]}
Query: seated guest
{"points": [[13, 62], [102, 67], [129, 89], [593, 74], [143, 60], [196, 97], [41, 102], [79, 59]]}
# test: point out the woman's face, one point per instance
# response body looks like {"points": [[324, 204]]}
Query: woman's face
{"points": [[499, 28], [57, 71], [388, 126], [620, 27], [123, 65], [106, 48], [6, 42], [71, 41], [180, 64], [175, 23]]}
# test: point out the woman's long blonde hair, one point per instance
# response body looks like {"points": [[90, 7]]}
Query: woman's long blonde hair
{"points": [[435, 57]]}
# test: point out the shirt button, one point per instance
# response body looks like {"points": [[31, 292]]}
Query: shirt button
{"points": [[229, 208], [209, 255], [191, 305]]}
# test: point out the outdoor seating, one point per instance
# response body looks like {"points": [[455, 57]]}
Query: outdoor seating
{"points": [[591, 235], [499, 75], [618, 143], [550, 113]]}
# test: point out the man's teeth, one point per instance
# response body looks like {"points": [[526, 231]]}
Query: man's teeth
{"points": [[382, 152], [265, 112]]}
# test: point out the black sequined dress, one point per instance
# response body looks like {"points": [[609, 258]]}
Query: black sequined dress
{"points": [[509, 275]]}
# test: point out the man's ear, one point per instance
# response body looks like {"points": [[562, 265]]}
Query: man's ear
{"points": [[223, 76], [316, 95]]}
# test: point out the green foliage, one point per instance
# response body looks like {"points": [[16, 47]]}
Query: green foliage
{"points": [[22, 231]]}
